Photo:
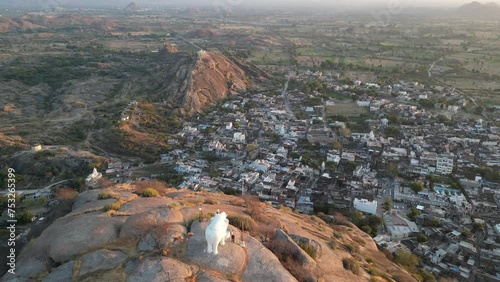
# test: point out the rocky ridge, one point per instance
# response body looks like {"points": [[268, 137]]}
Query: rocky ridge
{"points": [[162, 238]]}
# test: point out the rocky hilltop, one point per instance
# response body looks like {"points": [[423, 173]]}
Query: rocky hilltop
{"points": [[132, 7], [213, 77], [8, 25], [65, 20], [479, 10], [119, 234]]}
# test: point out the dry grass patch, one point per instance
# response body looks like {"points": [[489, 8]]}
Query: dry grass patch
{"points": [[157, 185], [351, 264]]}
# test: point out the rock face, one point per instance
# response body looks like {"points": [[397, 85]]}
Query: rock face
{"points": [[143, 205], [31, 266], [85, 197], [169, 48], [297, 251], [161, 237], [161, 269], [69, 236], [143, 222], [100, 260], [145, 240], [230, 260], [263, 264], [62, 273], [315, 245], [213, 77]]}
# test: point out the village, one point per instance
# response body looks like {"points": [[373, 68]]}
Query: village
{"points": [[388, 151]]}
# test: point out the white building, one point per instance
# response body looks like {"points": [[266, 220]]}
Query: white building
{"points": [[365, 206], [280, 129], [200, 53], [333, 157], [363, 103], [260, 165], [93, 177], [398, 227], [363, 136], [444, 165], [282, 152], [36, 147], [239, 137]]}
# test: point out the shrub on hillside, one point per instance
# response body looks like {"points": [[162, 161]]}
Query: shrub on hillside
{"points": [[242, 222], [114, 206], [211, 202], [150, 192], [351, 264], [310, 250], [105, 195]]}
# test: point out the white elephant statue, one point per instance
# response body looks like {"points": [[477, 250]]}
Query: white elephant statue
{"points": [[216, 232]]}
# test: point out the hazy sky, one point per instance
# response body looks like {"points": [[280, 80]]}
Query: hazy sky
{"points": [[249, 3], [359, 3]]}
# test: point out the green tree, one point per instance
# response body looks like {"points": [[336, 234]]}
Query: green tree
{"points": [[406, 259], [476, 226], [413, 213], [350, 167], [388, 204], [337, 146], [4, 200], [357, 217], [422, 238], [214, 172], [392, 131], [435, 222], [426, 276], [251, 147], [24, 217], [42, 201], [417, 187], [392, 170], [331, 166]]}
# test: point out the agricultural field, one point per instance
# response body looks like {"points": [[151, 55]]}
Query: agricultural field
{"points": [[347, 109]]}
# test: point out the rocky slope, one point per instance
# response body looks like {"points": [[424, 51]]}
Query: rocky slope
{"points": [[161, 239], [132, 7], [210, 78], [213, 77], [65, 20], [61, 162], [8, 25]]}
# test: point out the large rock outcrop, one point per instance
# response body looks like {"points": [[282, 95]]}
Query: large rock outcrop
{"points": [[213, 77], [148, 240], [70, 236]]}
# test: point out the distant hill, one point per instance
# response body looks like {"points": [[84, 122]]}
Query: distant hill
{"points": [[7, 25], [64, 20], [479, 10], [132, 7]]}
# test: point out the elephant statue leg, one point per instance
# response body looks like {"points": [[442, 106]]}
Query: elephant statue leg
{"points": [[209, 247], [216, 251]]}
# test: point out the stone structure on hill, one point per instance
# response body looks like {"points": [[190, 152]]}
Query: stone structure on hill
{"points": [[91, 180]]}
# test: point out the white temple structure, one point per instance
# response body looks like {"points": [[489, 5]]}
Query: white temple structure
{"points": [[93, 177]]}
